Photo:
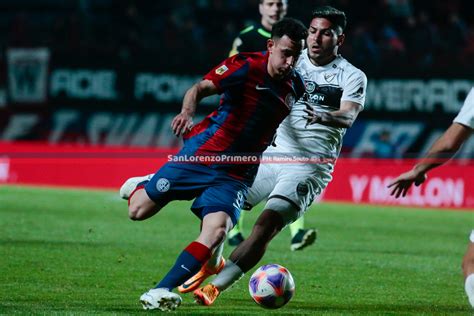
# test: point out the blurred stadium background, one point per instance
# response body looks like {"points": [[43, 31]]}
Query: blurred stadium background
{"points": [[88, 89], [104, 78]]}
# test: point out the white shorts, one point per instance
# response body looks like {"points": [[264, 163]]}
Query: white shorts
{"points": [[289, 188], [471, 238]]}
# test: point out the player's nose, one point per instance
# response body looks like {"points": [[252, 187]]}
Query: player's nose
{"points": [[290, 60]]}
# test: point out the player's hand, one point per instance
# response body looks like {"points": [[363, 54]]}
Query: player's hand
{"points": [[403, 183], [312, 117], [181, 124]]}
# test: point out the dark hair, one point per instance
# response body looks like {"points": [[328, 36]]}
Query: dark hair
{"points": [[336, 17], [261, 1], [290, 27]]}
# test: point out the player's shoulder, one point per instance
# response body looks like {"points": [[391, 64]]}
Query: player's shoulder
{"points": [[249, 32], [256, 32], [247, 60], [251, 57], [248, 29], [349, 70]]}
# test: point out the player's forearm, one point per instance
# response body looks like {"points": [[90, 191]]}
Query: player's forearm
{"points": [[336, 119], [190, 101], [194, 95], [444, 148], [432, 161]]}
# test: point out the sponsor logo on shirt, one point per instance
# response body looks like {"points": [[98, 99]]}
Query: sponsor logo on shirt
{"points": [[221, 70]]}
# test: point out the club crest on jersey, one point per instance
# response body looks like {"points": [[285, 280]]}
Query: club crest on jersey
{"points": [[221, 70], [310, 86], [329, 77], [162, 185], [290, 100]]}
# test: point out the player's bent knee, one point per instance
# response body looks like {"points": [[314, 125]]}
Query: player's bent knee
{"points": [[141, 206], [134, 213]]}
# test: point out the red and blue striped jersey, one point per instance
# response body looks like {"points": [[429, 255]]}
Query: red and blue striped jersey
{"points": [[252, 105]]}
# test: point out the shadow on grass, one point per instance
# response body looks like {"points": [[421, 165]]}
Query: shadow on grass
{"points": [[363, 308], [242, 307]]}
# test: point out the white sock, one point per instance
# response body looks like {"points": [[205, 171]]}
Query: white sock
{"points": [[215, 259], [469, 287], [228, 276]]}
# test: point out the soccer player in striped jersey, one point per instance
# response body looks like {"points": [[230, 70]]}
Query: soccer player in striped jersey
{"points": [[258, 91], [334, 96], [254, 38]]}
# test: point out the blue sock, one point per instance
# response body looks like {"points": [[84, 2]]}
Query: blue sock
{"points": [[189, 263]]}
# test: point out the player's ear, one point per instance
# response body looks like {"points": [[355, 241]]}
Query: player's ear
{"points": [[340, 39], [270, 45]]}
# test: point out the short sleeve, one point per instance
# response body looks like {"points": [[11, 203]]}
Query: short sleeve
{"points": [[466, 114], [231, 72], [355, 88]]}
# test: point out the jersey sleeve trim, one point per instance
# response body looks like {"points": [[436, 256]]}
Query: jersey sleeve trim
{"points": [[264, 33], [247, 29]]}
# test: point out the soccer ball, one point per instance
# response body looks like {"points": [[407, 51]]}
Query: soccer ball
{"points": [[271, 286]]}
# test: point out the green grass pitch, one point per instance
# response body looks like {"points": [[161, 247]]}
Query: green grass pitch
{"points": [[65, 251]]}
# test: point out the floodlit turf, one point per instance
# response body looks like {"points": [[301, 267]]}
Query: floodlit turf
{"points": [[76, 252]]}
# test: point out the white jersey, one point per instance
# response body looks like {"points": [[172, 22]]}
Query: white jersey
{"points": [[326, 87], [291, 187], [466, 114]]}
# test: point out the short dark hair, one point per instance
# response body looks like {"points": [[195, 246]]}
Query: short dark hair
{"points": [[290, 27], [335, 16], [261, 1]]}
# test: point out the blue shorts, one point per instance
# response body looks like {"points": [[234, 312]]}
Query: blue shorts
{"points": [[214, 191]]}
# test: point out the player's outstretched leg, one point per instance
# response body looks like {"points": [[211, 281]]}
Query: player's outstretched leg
{"points": [[243, 258], [214, 232], [214, 265], [196, 280], [188, 263]]}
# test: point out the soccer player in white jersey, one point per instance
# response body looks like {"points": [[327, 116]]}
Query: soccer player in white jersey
{"points": [[335, 94], [441, 151]]}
